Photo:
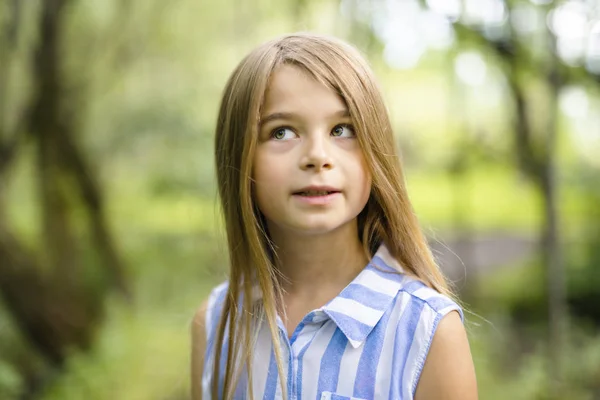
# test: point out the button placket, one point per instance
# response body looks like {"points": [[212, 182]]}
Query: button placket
{"points": [[301, 341]]}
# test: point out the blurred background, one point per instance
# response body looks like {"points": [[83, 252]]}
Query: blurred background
{"points": [[110, 234]]}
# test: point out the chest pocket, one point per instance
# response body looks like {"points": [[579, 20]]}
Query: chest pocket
{"points": [[333, 396]]}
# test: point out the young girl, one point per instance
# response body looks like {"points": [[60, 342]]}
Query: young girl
{"points": [[333, 292]]}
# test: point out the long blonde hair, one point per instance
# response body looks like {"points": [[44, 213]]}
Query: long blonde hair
{"points": [[388, 216]]}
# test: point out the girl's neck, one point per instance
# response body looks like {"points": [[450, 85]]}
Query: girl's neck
{"points": [[318, 265]]}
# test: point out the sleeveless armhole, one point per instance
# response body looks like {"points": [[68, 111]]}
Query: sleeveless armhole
{"points": [[436, 307], [213, 315]]}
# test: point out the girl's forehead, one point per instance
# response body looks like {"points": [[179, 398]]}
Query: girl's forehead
{"points": [[293, 86], [287, 72]]}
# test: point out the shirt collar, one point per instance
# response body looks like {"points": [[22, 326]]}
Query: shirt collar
{"points": [[360, 306]]}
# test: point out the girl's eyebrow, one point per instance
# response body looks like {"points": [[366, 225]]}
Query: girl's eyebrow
{"points": [[343, 113]]}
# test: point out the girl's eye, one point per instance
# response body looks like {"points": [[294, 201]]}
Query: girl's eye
{"points": [[343, 130], [282, 134]]}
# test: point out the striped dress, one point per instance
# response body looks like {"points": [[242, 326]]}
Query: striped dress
{"points": [[370, 342]]}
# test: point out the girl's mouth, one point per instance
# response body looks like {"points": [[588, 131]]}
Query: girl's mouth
{"points": [[315, 193], [316, 196]]}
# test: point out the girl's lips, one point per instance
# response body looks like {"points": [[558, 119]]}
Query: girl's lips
{"points": [[317, 199], [316, 190]]}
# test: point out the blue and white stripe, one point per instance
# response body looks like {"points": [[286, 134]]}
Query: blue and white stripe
{"points": [[370, 342]]}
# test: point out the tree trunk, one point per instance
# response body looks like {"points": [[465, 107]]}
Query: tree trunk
{"points": [[538, 163], [48, 296], [552, 254]]}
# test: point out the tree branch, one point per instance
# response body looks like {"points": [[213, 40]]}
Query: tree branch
{"points": [[9, 141]]}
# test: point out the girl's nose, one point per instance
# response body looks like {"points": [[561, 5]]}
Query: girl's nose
{"points": [[316, 154]]}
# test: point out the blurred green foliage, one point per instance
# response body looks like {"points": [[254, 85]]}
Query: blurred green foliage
{"points": [[148, 76]]}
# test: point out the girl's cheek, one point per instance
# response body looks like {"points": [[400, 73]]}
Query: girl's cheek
{"points": [[348, 144]]}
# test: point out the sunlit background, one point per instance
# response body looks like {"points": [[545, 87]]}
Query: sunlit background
{"points": [[110, 235]]}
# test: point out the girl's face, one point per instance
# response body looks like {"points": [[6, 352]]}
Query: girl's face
{"points": [[309, 171]]}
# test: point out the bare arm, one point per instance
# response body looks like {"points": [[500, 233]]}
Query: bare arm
{"points": [[448, 373], [198, 350]]}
